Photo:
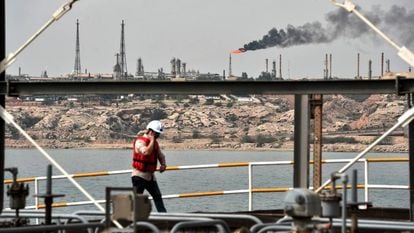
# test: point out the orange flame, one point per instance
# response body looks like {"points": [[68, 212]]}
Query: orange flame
{"points": [[240, 50]]}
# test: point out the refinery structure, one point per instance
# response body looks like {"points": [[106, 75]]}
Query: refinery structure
{"points": [[180, 71]]}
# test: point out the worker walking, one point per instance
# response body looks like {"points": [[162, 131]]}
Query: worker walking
{"points": [[146, 154]]}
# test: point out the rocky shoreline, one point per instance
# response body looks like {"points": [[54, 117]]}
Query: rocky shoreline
{"points": [[205, 145], [202, 123]]}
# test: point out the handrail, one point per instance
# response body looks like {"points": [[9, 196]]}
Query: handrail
{"points": [[366, 186], [216, 193], [403, 121], [213, 193], [203, 166], [147, 225], [7, 117]]}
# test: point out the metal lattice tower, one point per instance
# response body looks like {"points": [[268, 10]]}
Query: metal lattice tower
{"points": [[77, 68], [123, 63]]}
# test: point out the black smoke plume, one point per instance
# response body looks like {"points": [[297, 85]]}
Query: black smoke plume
{"points": [[340, 23]]}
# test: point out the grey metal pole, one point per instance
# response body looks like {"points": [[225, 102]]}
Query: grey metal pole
{"points": [[301, 147], [354, 187], [411, 158], [344, 202]]}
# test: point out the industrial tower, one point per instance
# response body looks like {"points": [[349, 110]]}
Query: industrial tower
{"points": [[77, 68], [123, 63], [230, 72]]}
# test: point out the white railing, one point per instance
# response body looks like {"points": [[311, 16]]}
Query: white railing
{"points": [[250, 190]]}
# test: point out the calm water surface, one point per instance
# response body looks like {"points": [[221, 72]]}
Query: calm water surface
{"points": [[32, 163]]}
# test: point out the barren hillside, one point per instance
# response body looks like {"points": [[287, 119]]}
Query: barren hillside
{"points": [[205, 123]]}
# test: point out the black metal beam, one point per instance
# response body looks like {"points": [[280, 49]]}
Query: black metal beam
{"points": [[2, 97], [288, 87]]}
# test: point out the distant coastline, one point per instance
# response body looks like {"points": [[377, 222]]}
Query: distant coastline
{"points": [[203, 145], [204, 123]]}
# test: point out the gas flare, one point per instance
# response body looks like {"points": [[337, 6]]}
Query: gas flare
{"points": [[240, 50]]}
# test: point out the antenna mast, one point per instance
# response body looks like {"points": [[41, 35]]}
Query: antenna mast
{"points": [[123, 64]]}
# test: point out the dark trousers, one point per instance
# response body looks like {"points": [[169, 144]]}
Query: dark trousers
{"points": [[152, 187]]}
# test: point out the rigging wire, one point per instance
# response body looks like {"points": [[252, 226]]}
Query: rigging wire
{"points": [[403, 52], [403, 121], [8, 118], [6, 62]]}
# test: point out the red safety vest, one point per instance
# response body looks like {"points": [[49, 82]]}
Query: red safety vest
{"points": [[145, 163]]}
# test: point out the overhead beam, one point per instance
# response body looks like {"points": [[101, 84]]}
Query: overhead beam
{"points": [[288, 87]]}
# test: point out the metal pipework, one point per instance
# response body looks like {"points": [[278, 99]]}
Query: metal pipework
{"points": [[17, 192], [48, 196], [403, 52]]}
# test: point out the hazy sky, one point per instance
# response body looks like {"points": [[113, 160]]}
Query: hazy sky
{"points": [[200, 33]]}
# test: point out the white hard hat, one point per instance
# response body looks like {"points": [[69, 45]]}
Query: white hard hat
{"points": [[156, 126]]}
